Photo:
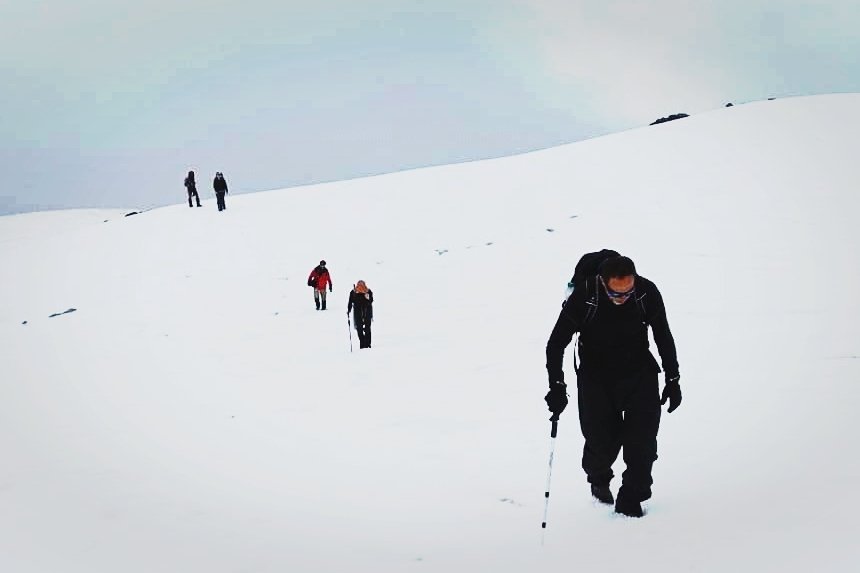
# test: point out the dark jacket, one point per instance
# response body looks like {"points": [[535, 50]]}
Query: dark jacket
{"points": [[363, 303], [615, 341], [190, 184], [220, 184]]}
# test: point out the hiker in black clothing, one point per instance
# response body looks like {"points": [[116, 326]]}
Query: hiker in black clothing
{"points": [[191, 186], [361, 298], [220, 186], [617, 387]]}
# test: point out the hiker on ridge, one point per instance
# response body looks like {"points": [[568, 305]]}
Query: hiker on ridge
{"points": [[220, 186], [191, 187]]}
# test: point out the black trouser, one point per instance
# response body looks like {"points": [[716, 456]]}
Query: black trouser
{"points": [[193, 192], [362, 326], [615, 412], [220, 197]]}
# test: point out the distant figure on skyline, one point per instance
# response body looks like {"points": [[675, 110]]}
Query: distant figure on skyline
{"points": [[191, 186], [220, 186], [361, 298], [318, 279]]}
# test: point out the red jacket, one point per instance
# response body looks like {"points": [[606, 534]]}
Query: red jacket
{"points": [[319, 278]]}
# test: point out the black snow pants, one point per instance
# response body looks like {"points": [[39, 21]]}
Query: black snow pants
{"points": [[219, 195], [618, 412], [192, 192], [362, 326]]}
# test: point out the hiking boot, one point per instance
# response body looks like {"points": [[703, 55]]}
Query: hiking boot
{"points": [[628, 505], [602, 493]]}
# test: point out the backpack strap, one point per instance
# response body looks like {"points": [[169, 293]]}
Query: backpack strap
{"points": [[591, 300], [640, 295]]}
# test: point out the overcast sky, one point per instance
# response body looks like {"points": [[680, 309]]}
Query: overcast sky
{"points": [[110, 102]]}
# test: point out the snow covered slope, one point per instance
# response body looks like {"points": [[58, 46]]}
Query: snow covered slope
{"points": [[195, 413]]}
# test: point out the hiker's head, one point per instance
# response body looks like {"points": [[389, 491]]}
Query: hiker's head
{"points": [[361, 287], [618, 275], [322, 263]]}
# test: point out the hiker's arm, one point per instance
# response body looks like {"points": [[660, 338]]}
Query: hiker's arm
{"points": [[662, 334], [562, 334]]}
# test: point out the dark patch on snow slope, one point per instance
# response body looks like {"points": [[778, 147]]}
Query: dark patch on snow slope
{"points": [[64, 312]]}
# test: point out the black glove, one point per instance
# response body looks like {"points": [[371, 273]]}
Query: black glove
{"points": [[329, 288], [556, 399], [672, 393]]}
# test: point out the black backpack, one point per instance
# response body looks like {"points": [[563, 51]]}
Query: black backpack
{"points": [[585, 275], [588, 266]]}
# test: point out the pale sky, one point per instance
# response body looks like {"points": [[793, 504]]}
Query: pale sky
{"points": [[109, 103]]}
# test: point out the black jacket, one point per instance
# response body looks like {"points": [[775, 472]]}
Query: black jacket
{"points": [[363, 304], [615, 341], [220, 185]]}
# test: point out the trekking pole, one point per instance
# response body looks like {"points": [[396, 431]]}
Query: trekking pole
{"points": [[552, 435], [349, 327]]}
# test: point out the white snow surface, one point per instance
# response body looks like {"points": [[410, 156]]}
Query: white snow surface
{"points": [[196, 413]]}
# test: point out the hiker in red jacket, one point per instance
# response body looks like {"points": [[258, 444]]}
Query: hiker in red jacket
{"points": [[318, 279]]}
